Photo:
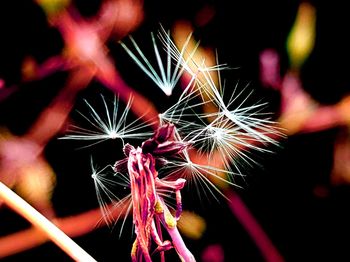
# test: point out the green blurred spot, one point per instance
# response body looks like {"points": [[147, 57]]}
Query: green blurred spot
{"points": [[53, 7], [301, 39]]}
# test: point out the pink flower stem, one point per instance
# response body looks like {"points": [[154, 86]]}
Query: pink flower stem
{"points": [[158, 225], [179, 245], [241, 212], [169, 223]]}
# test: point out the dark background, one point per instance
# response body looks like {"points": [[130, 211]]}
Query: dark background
{"points": [[282, 195]]}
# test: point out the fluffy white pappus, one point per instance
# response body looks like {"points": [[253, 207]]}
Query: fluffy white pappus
{"points": [[112, 124], [169, 68], [107, 183]]}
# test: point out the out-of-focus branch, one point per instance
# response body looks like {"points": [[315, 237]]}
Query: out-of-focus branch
{"points": [[43, 224], [299, 112], [85, 57], [73, 226], [255, 231]]}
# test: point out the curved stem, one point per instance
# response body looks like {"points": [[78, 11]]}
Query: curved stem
{"points": [[33, 216]]}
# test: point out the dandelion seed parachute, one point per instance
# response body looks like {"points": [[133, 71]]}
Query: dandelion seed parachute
{"points": [[167, 76], [113, 124]]}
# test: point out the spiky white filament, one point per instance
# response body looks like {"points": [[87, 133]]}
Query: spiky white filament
{"points": [[166, 77], [113, 124], [106, 183], [104, 187]]}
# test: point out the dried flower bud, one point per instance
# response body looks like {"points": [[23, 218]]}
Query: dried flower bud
{"points": [[169, 148], [164, 133]]}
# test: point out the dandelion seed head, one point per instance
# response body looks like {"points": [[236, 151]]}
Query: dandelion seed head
{"points": [[155, 172]]}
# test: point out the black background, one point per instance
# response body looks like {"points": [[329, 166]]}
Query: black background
{"points": [[281, 195]]}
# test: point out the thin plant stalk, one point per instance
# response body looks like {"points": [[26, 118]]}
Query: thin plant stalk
{"points": [[33, 216], [74, 226], [262, 241]]}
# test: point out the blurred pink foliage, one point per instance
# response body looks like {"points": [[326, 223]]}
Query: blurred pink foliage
{"points": [[213, 253]]}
